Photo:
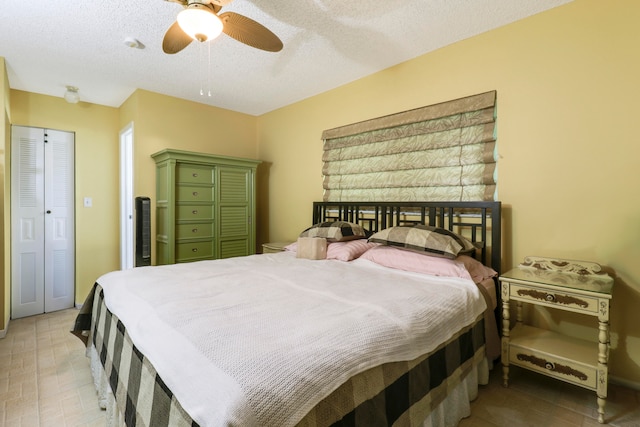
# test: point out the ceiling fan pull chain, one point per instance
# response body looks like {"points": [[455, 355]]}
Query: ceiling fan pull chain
{"points": [[201, 66], [209, 70]]}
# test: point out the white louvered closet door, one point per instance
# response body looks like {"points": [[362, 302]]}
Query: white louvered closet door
{"points": [[42, 221]]}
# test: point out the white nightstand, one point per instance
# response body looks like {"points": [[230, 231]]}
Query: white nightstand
{"points": [[269, 248], [576, 286]]}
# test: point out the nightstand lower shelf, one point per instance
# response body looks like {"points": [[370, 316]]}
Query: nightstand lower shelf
{"points": [[559, 356]]}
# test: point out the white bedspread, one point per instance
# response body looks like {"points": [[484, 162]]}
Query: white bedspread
{"points": [[260, 340]]}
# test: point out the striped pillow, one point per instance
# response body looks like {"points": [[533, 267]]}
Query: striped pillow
{"points": [[434, 241], [335, 231]]}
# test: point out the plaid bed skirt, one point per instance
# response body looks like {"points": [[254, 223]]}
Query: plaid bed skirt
{"points": [[393, 394]]}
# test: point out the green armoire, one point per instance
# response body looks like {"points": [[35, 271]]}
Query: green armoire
{"points": [[205, 206]]}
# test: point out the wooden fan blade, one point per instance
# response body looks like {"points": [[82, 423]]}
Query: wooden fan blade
{"points": [[249, 32], [175, 39]]}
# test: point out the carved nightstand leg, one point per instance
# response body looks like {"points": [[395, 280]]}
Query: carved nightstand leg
{"points": [[601, 403], [506, 326], [603, 359]]}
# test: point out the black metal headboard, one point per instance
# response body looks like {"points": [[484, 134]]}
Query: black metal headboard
{"points": [[480, 222]]}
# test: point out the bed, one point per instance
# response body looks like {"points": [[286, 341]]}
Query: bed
{"points": [[358, 338]]}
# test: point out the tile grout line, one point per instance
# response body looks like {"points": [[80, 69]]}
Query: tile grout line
{"points": [[37, 373]]}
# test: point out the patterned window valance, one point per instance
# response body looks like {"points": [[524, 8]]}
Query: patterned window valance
{"points": [[442, 152]]}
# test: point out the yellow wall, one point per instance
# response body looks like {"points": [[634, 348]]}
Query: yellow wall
{"points": [[164, 122], [567, 84]]}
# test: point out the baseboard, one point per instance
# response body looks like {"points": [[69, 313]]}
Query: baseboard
{"points": [[625, 383], [3, 332]]}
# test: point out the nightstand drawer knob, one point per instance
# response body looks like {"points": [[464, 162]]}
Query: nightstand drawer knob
{"points": [[550, 297], [195, 212], [550, 366], [195, 230], [194, 250], [195, 194]]}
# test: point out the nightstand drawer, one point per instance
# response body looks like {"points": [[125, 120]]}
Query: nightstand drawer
{"points": [[190, 193], [566, 358], [194, 230], [194, 250], [552, 298], [194, 212], [565, 370], [195, 174]]}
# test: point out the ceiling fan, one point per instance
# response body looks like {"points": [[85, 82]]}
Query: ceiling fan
{"points": [[199, 20]]}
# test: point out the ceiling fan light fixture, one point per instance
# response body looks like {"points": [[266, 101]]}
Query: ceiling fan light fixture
{"points": [[71, 95], [199, 22]]}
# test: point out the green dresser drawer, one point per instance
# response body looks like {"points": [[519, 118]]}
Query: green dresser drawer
{"points": [[192, 251], [194, 212], [194, 230], [196, 174], [192, 193]]}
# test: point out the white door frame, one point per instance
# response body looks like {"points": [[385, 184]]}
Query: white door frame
{"points": [[127, 234]]}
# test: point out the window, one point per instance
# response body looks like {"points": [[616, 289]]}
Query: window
{"points": [[441, 152]]}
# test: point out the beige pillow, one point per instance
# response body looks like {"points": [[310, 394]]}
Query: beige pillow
{"points": [[312, 248]]}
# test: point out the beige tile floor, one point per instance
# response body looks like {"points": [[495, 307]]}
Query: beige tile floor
{"points": [[534, 400], [44, 375], [45, 381]]}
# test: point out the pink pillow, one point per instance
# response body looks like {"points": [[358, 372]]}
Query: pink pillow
{"points": [[478, 271], [342, 251], [463, 266]]}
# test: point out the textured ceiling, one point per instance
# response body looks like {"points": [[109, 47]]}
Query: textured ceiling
{"points": [[48, 44]]}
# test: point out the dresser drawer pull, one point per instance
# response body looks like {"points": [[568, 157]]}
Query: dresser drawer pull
{"points": [[550, 297], [195, 194], [194, 250], [195, 230], [550, 366], [195, 175], [195, 211]]}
